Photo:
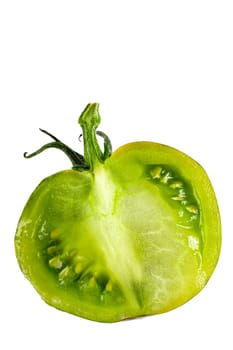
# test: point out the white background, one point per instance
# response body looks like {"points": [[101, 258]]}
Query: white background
{"points": [[161, 71]]}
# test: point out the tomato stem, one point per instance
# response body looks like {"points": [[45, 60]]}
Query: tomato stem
{"points": [[89, 121]]}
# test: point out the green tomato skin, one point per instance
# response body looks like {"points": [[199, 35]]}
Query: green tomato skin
{"points": [[115, 242]]}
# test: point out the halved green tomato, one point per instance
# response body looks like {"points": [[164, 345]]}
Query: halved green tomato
{"points": [[120, 235]]}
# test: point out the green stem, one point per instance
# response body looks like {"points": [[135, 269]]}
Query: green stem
{"points": [[89, 121]]}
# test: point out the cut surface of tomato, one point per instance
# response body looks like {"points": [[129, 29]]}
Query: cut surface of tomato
{"points": [[120, 235]]}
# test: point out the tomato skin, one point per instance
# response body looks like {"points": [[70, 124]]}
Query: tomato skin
{"points": [[136, 233]]}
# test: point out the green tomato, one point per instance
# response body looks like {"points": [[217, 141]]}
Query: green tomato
{"points": [[120, 235]]}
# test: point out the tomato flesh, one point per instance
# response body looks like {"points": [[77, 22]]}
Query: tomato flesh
{"points": [[139, 235]]}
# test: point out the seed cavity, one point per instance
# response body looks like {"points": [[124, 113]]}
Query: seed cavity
{"points": [[102, 279], [179, 193], [73, 268]]}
